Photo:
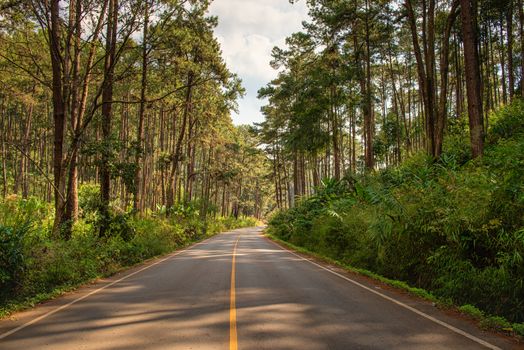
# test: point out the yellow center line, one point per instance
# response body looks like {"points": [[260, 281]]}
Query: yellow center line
{"points": [[233, 343]]}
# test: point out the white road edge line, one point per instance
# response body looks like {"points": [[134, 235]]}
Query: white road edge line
{"points": [[41, 317], [412, 309]]}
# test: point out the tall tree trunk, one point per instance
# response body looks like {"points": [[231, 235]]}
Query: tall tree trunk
{"points": [[503, 63], [71, 210], [521, 30], [458, 78], [59, 112], [424, 76], [335, 134], [107, 111], [275, 180], [190, 156], [444, 70], [509, 30], [4, 152], [431, 112], [353, 142], [140, 131], [179, 142], [296, 177], [368, 113], [25, 149], [486, 74], [471, 63]]}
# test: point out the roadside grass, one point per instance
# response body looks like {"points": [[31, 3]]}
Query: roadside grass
{"points": [[483, 321]]}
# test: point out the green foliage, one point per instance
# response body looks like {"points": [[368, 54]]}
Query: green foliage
{"points": [[496, 323], [456, 144], [17, 211], [492, 322], [119, 226], [90, 204], [472, 311], [455, 227], [12, 262], [89, 201], [518, 329], [507, 122]]}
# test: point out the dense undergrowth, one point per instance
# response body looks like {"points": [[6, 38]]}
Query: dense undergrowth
{"points": [[35, 265], [454, 227]]}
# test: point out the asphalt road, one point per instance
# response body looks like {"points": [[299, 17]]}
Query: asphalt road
{"points": [[239, 289]]}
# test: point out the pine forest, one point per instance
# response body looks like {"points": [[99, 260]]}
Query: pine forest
{"points": [[392, 142]]}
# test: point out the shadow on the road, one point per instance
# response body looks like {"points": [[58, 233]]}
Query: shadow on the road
{"points": [[286, 303], [282, 303]]}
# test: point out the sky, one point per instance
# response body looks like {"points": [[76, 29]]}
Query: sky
{"points": [[247, 31]]}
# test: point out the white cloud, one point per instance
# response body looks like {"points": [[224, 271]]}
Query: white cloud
{"points": [[247, 31], [247, 54]]}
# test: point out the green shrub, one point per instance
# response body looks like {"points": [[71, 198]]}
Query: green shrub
{"points": [[496, 323], [119, 226], [12, 259], [518, 329], [471, 311], [15, 211], [507, 122], [89, 201]]}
